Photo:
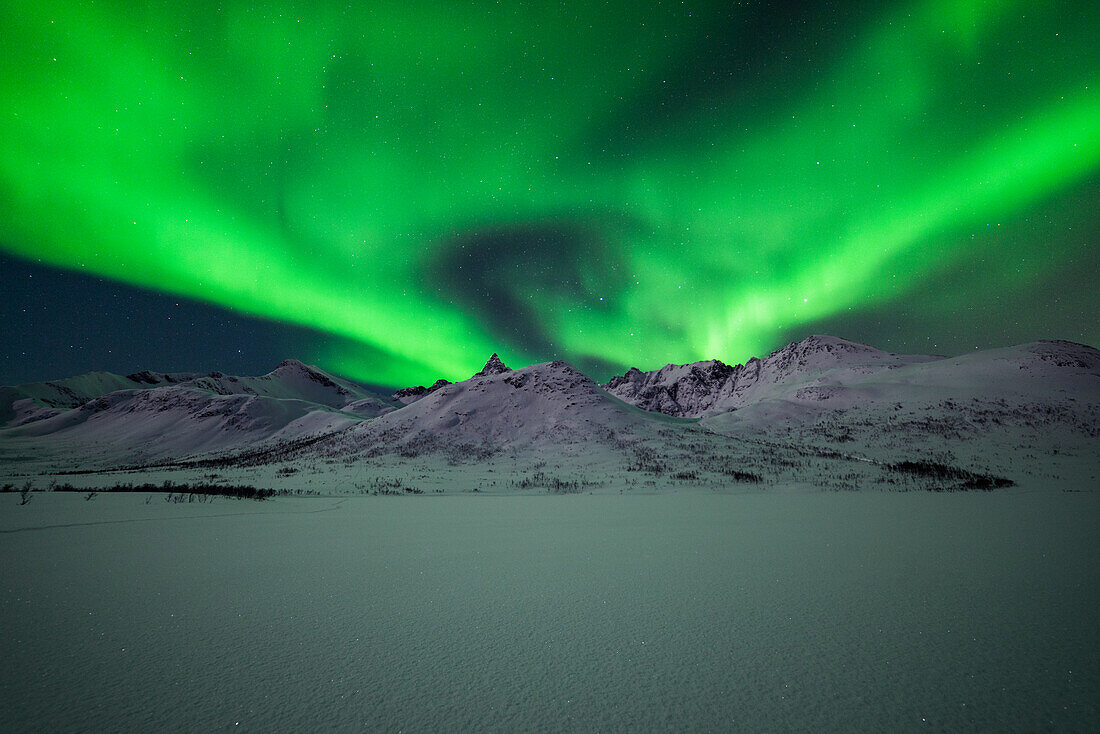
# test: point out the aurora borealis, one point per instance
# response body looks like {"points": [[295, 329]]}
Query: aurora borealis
{"points": [[420, 184]]}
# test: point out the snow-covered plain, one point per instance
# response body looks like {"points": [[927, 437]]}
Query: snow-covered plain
{"points": [[760, 611]]}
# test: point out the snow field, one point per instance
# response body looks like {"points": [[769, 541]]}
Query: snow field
{"points": [[759, 612]]}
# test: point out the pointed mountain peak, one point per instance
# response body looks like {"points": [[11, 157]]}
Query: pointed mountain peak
{"points": [[289, 367], [291, 364], [493, 367]]}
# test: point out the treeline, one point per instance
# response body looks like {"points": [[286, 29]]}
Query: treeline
{"points": [[200, 489], [648, 461], [553, 484], [961, 479]]}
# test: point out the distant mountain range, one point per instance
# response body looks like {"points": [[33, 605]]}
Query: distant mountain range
{"points": [[810, 413], [158, 414]]}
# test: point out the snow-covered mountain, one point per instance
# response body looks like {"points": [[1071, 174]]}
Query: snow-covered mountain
{"points": [[544, 426], [823, 371], [551, 403], [1032, 409], [291, 379], [821, 412], [36, 400], [711, 387], [408, 395], [149, 415]]}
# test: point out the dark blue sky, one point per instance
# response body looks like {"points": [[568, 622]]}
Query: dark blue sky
{"points": [[60, 323]]}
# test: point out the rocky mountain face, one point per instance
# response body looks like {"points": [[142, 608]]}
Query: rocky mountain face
{"points": [[679, 390], [493, 367], [702, 388], [408, 395]]}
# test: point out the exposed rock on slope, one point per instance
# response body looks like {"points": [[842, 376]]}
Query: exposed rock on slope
{"points": [[678, 390], [409, 395], [703, 388], [493, 367]]}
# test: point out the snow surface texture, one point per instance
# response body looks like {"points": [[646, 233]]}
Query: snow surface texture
{"points": [[810, 612], [823, 412]]}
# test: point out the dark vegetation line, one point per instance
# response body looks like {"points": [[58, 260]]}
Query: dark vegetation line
{"points": [[174, 491], [244, 457], [941, 472]]}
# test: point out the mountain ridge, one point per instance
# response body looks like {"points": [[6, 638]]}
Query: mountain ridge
{"points": [[843, 402], [698, 388]]}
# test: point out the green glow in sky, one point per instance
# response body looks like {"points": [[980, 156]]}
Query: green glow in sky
{"points": [[609, 184]]}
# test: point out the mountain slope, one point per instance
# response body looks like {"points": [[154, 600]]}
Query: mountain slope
{"points": [[823, 412], [148, 415], [36, 400], [711, 387], [537, 406], [1028, 410], [411, 394], [291, 379]]}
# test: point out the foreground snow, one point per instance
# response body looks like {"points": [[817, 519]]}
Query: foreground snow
{"points": [[755, 612]]}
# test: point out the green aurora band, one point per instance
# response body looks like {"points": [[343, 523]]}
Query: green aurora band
{"points": [[432, 182]]}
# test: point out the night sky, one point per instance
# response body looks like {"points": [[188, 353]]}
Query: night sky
{"points": [[394, 190]]}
